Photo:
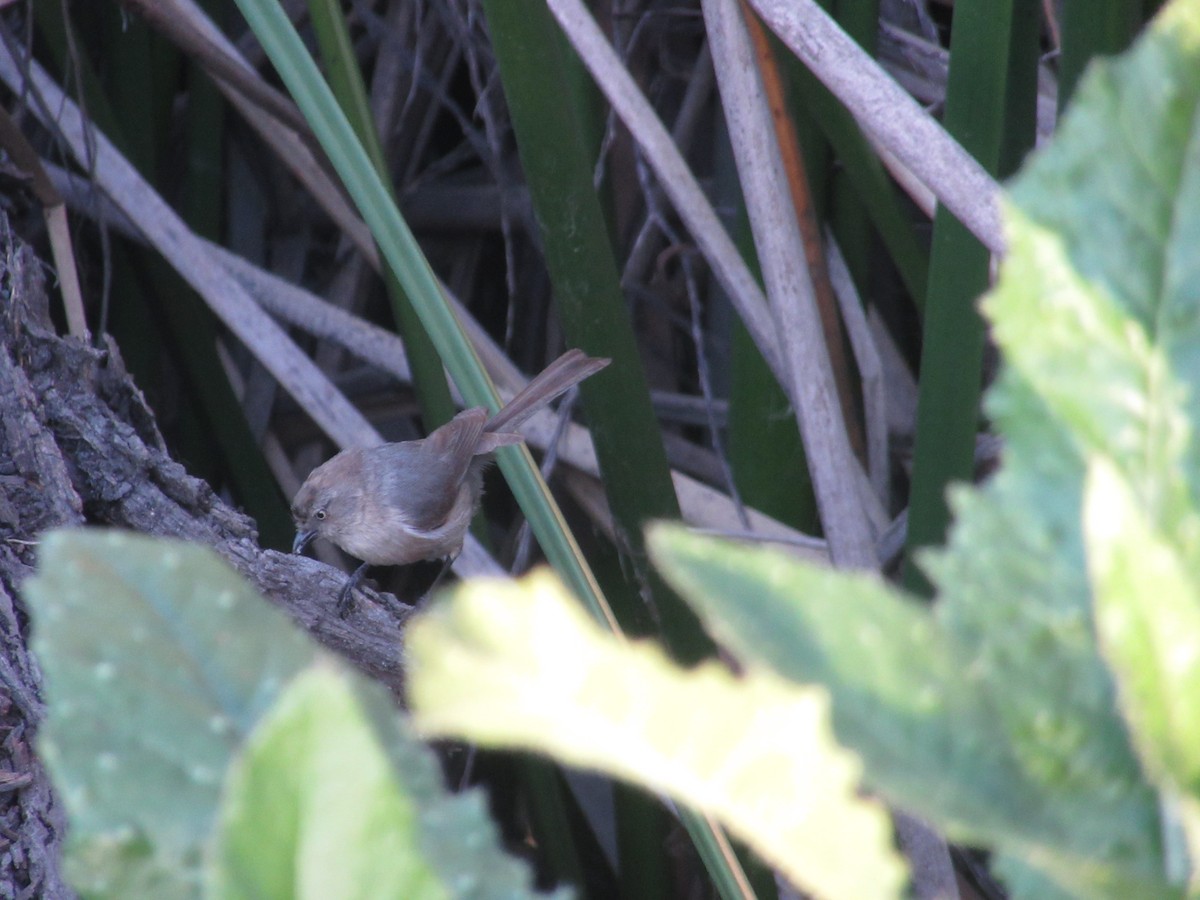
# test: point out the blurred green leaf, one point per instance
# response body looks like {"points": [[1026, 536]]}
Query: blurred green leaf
{"points": [[158, 659], [516, 664], [129, 866], [920, 709], [902, 697], [1148, 619], [1096, 311], [320, 806], [312, 809]]}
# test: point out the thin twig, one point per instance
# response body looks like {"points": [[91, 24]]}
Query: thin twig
{"points": [[675, 177], [892, 116], [870, 369], [810, 229], [170, 236], [291, 149], [25, 158], [789, 286]]}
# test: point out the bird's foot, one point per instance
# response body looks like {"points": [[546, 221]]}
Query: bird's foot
{"points": [[346, 595]]}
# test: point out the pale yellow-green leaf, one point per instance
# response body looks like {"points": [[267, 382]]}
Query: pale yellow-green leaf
{"points": [[518, 664]]}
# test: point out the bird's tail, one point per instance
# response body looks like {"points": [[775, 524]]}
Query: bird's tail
{"points": [[556, 379]]}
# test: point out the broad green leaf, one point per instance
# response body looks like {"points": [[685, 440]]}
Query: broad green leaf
{"points": [[905, 695], [1104, 270], [1059, 877], [1090, 311], [517, 664], [333, 797], [1098, 313], [1148, 618], [456, 835], [1014, 598], [1119, 396], [898, 694], [159, 663], [158, 659]]}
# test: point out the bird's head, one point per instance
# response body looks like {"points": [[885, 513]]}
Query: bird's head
{"points": [[327, 503]]}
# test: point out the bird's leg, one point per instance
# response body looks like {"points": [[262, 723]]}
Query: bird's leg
{"points": [[346, 596]]}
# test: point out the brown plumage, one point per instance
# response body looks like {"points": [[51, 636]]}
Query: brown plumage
{"points": [[409, 501]]}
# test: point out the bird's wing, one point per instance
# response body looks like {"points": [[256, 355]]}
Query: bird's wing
{"points": [[422, 478]]}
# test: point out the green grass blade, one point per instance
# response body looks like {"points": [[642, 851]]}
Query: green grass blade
{"points": [[579, 256], [1091, 28], [860, 19], [765, 449], [345, 79], [992, 56], [553, 141]]}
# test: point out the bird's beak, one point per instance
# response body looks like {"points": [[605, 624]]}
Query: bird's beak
{"points": [[303, 539]]}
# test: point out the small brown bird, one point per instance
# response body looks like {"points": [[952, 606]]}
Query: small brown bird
{"points": [[400, 503]]}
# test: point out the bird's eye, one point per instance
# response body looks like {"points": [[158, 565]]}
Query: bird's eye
{"points": [[320, 514]]}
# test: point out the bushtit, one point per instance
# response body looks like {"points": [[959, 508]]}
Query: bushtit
{"points": [[401, 503]]}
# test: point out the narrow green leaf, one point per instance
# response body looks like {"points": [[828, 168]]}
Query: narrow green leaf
{"points": [[993, 52], [1092, 28], [517, 665], [538, 70], [763, 439], [574, 235], [333, 34]]}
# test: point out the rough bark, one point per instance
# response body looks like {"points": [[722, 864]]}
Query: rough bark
{"points": [[79, 446]]}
